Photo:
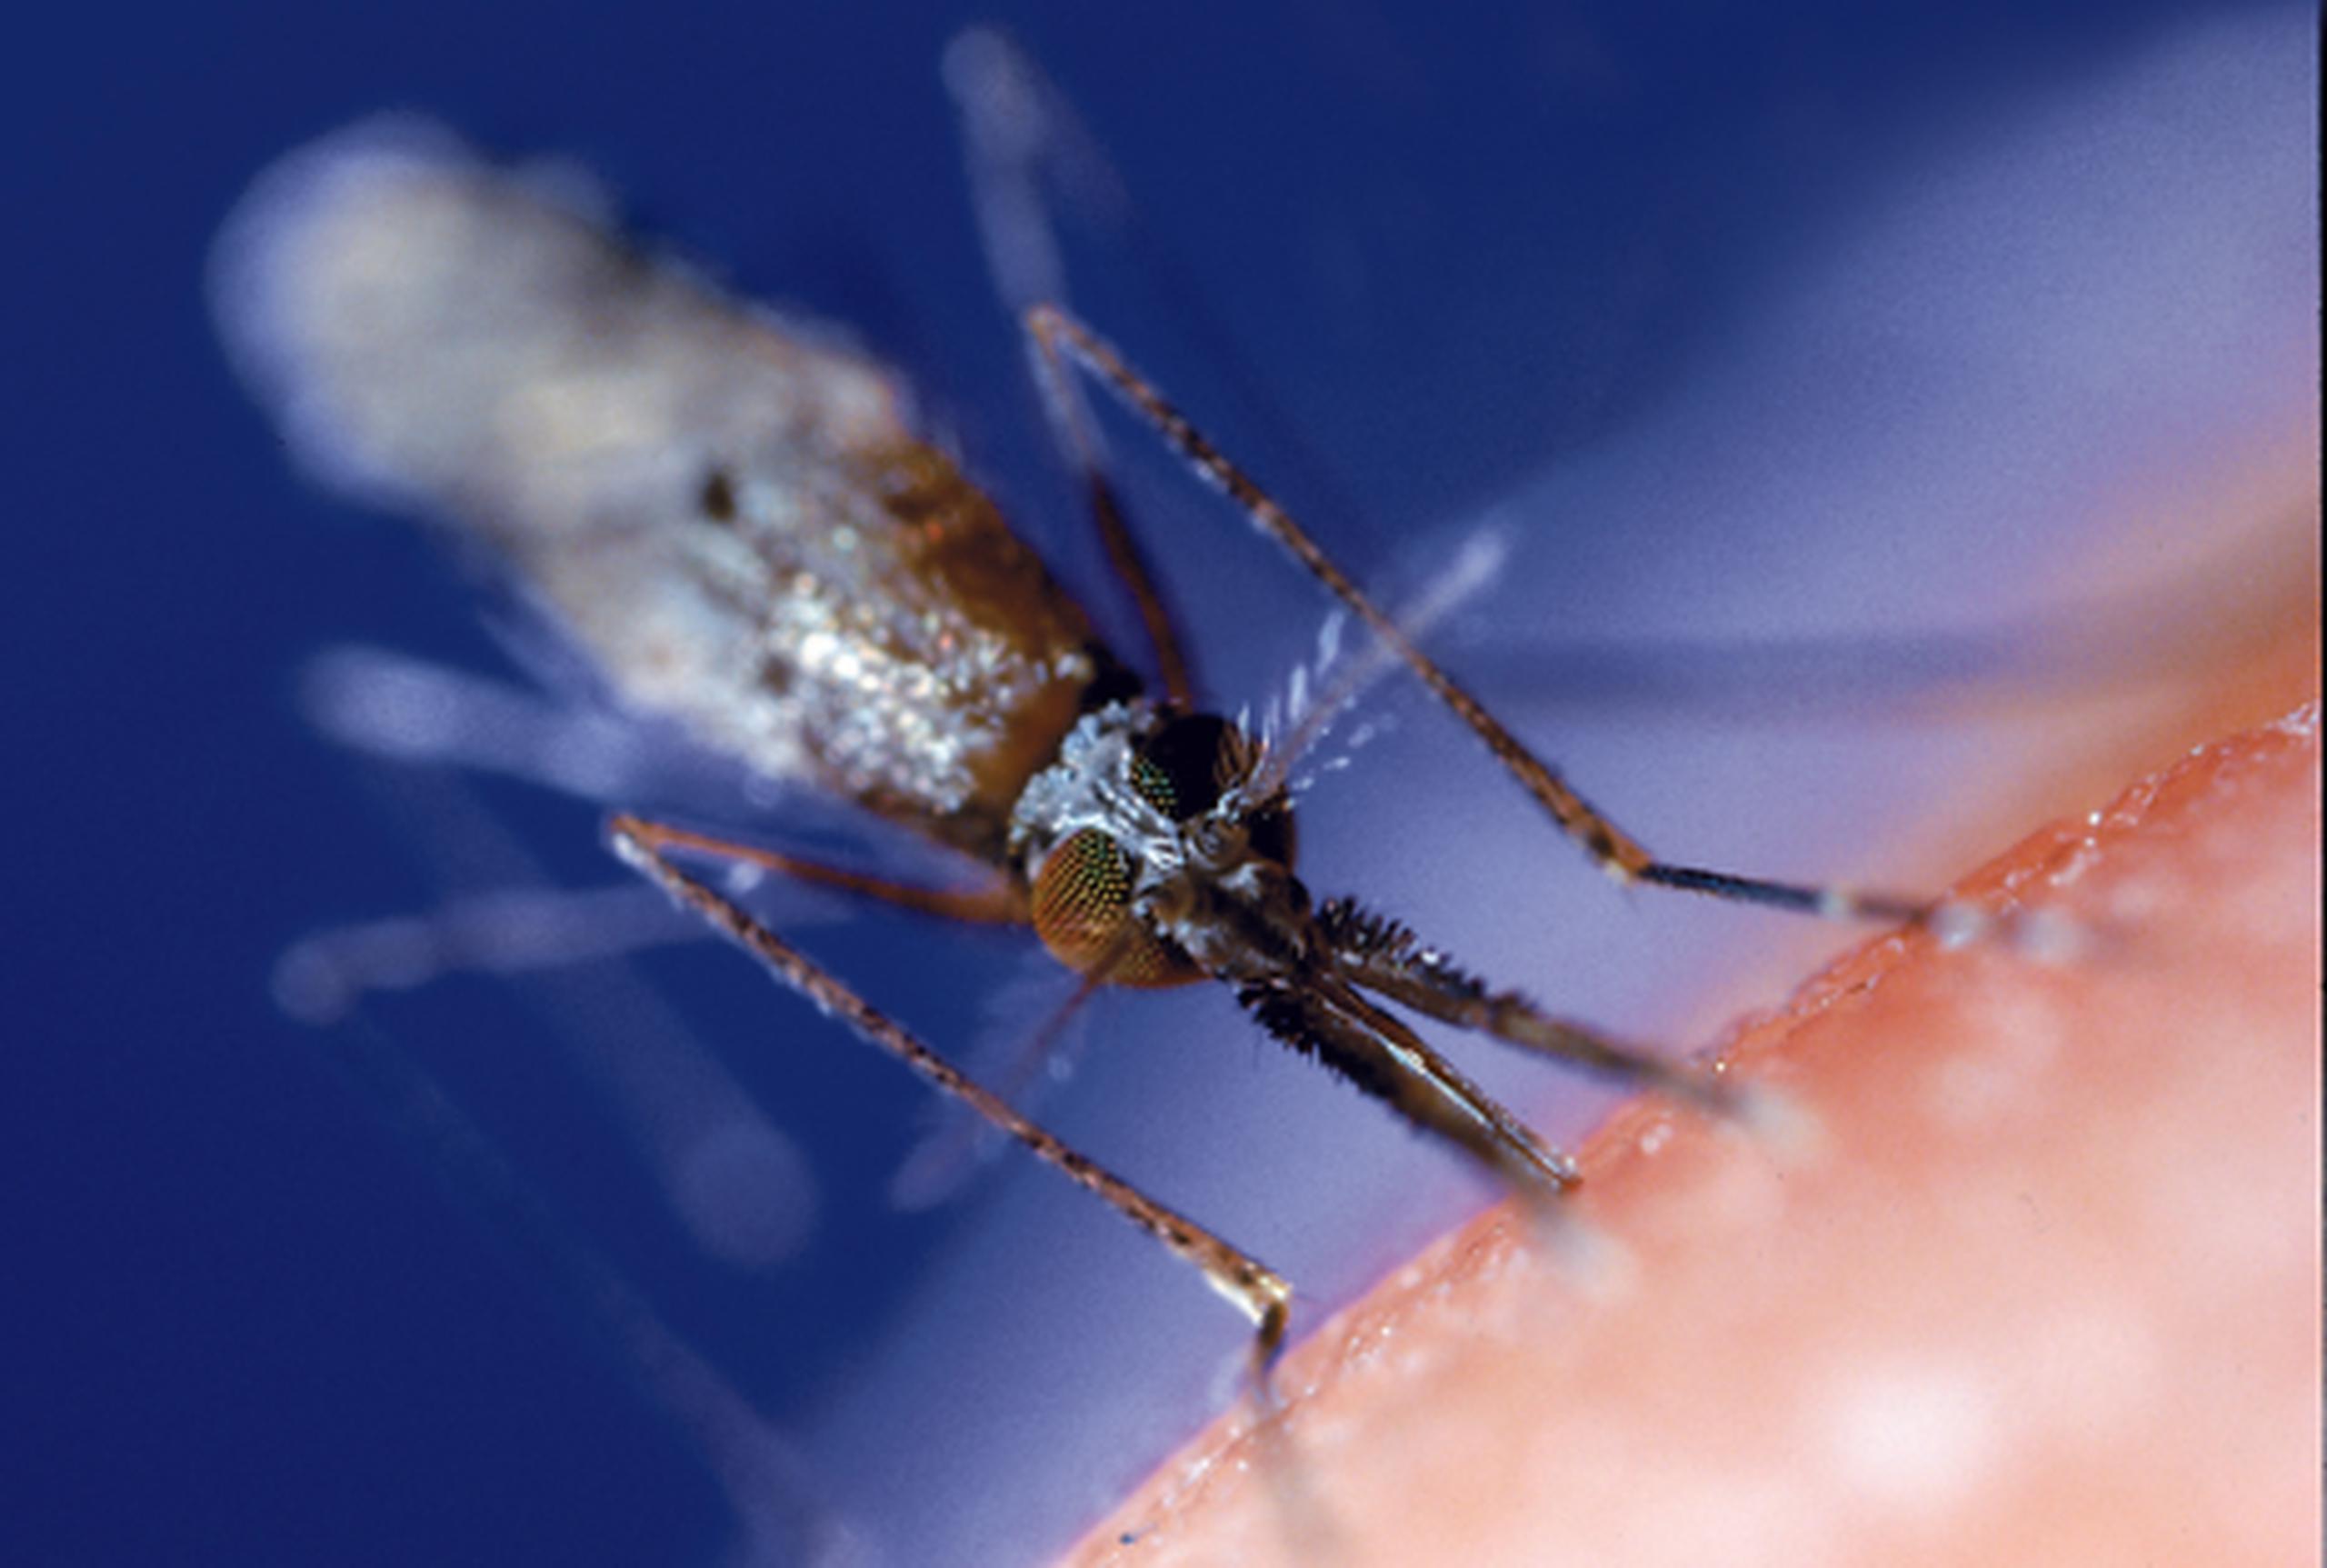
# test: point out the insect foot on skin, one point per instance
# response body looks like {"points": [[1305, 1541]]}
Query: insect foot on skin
{"points": [[727, 513]]}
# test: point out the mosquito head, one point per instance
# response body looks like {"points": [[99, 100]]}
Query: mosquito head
{"points": [[1159, 850]]}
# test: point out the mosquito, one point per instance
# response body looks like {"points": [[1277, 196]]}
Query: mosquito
{"points": [[732, 514]]}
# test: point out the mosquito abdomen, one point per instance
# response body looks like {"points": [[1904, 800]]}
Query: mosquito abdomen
{"points": [[727, 510]]}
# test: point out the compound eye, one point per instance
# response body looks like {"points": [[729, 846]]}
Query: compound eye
{"points": [[1083, 914], [1182, 768]]}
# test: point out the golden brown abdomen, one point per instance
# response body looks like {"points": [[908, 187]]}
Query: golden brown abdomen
{"points": [[726, 511]]}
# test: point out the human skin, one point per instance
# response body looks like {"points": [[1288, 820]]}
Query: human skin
{"points": [[2036, 1279]]}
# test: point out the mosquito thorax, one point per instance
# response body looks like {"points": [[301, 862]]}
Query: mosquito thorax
{"points": [[1159, 851]]}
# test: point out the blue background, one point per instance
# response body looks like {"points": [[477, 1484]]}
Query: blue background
{"points": [[245, 1321]]}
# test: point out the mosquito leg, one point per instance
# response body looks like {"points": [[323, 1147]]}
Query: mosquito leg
{"points": [[1262, 1295], [1385, 957], [1075, 432], [1010, 106], [996, 905], [1064, 339], [1010, 128]]}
